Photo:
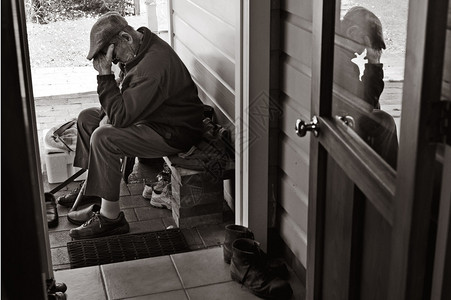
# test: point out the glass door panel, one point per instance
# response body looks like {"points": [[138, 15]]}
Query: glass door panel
{"points": [[368, 71]]}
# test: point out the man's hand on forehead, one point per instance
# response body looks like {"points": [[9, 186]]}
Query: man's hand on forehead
{"points": [[102, 62]]}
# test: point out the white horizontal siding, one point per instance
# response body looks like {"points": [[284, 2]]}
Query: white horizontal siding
{"points": [[225, 10], [293, 48], [296, 85], [204, 37], [292, 112], [207, 80], [294, 237], [295, 99], [294, 201], [217, 31], [295, 163], [300, 8], [212, 56]]}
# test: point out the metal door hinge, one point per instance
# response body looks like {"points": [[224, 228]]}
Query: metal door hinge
{"points": [[441, 122]]}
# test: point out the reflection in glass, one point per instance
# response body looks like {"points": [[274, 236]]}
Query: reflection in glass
{"points": [[359, 80]]}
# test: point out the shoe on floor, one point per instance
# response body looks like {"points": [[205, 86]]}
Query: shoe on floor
{"points": [[80, 216], [148, 188], [157, 186], [51, 210], [250, 268], [69, 199], [165, 174], [100, 226], [162, 199]]}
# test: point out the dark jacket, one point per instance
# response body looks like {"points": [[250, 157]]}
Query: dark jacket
{"points": [[157, 90], [375, 126], [346, 75]]}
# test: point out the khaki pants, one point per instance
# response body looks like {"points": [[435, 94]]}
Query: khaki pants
{"points": [[100, 149]]}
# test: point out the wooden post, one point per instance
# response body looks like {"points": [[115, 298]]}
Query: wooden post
{"points": [[137, 7], [256, 16]]}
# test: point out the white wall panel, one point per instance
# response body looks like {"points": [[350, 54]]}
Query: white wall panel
{"points": [[295, 98]]}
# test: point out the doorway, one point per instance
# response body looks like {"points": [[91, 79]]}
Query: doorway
{"points": [[372, 205]]}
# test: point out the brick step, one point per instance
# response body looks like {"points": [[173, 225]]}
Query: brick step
{"points": [[198, 196]]}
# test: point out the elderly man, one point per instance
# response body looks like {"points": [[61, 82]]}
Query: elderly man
{"points": [[153, 110]]}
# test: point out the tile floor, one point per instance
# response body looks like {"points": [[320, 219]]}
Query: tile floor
{"points": [[141, 216], [199, 274]]}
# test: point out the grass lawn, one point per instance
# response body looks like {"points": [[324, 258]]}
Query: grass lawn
{"points": [[65, 43], [393, 16]]}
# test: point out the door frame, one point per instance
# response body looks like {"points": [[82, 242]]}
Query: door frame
{"points": [[426, 36], [252, 114], [25, 241], [403, 197], [253, 78], [442, 258]]}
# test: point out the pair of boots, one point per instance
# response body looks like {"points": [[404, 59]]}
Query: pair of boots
{"points": [[250, 266]]}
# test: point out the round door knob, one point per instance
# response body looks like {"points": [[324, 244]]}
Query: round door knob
{"points": [[301, 127]]}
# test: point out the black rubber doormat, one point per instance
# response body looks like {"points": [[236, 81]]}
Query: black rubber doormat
{"points": [[85, 253]]}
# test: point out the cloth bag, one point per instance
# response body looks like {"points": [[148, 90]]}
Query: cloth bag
{"points": [[63, 137], [213, 154]]}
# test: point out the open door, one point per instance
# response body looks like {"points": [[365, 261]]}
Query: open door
{"points": [[26, 260], [373, 205]]}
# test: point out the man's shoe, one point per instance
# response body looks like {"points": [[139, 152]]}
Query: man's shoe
{"points": [[165, 174], [80, 216], [162, 179], [251, 269], [69, 199], [233, 232], [162, 199], [147, 192], [100, 226], [51, 210], [156, 186]]}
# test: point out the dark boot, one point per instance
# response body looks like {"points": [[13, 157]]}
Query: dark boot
{"points": [[233, 232], [251, 269]]}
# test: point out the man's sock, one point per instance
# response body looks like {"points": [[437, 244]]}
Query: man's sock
{"points": [[110, 209]]}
